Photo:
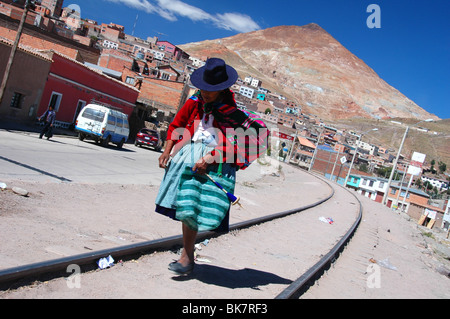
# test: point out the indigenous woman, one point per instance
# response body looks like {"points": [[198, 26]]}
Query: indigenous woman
{"points": [[197, 138]]}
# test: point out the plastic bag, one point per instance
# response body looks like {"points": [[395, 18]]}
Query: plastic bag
{"points": [[105, 262], [386, 264]]}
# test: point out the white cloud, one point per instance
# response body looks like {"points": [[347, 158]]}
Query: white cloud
{"points": [[171, 9], [236, 22], [143, 5], [146, 6], [180, 8]]}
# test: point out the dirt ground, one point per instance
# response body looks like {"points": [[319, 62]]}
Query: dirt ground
{"points": [[61, 219]]}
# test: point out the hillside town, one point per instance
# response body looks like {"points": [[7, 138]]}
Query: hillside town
{"points": [[66, 61]]}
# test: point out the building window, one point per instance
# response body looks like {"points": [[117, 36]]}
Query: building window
{"points": [[403, 193], [16, 101], [130, 80]]}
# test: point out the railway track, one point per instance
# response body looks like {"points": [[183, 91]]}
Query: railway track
{"points": [[13, 278]]}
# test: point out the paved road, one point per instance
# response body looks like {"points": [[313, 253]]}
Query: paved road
{"points": [[66, 159]]}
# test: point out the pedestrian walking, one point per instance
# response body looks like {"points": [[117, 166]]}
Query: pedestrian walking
{"points": [[49, 120], [199, 142]]}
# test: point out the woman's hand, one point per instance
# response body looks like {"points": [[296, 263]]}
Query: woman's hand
{"points": [[202, 164], [165, 156], [164, 159]]}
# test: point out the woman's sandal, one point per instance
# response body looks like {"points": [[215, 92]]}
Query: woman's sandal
{"points": [[180, 269]]}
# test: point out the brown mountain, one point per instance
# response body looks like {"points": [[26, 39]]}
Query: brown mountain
{"points": [[307, 65]]}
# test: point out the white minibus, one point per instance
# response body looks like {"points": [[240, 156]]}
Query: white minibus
{"points": [[103, 125]]}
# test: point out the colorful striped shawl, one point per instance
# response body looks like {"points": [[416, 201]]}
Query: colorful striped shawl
{"points": [[244, 130]]}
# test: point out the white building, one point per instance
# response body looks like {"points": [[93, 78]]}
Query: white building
{"points": [[158, 55], [373, 188], [371, 149], [441, 185], [255, 83], [252, 81], [197, 62], [110, 44], [446, 218], [247, 92]]}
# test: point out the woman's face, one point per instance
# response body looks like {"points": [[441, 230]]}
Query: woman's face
{"points": [[210, 96]]}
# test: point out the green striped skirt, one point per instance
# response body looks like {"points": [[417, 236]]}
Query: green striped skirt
{"points": [[166, 200]]}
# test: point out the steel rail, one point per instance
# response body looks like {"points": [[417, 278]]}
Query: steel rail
{"points": [[23, 275], [300, 286]]}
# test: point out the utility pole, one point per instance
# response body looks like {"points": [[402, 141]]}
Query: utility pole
{"points": [[385, 196], [315, 151], [13, 50]]}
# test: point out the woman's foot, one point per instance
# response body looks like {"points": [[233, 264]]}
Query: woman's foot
{"points": [[178, 268]]}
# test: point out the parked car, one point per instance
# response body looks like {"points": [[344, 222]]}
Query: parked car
{"points": [[103, 125], [150, 138]]}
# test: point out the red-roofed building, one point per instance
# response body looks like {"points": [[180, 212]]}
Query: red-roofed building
{"points": [[303, 152], [71, 85]]}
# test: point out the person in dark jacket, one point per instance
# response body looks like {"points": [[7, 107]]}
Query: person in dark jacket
{"points": [[49, 118]]}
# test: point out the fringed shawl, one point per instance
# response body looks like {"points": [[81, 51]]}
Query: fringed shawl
{"points": [[246, 132]]}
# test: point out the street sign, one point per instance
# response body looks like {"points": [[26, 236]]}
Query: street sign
{"points": [[415, 166]]}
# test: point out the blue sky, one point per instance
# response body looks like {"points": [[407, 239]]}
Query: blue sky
{"points": [[410, 50]]}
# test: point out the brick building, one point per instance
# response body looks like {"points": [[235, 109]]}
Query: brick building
{"points": [[416, 205], [112, 31], [115, 60], [15, 10], [167, 96], [54, 6], [42, 40], [25, 84], [326, 159]]}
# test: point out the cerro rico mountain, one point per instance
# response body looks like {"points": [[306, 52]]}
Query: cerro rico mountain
{"points": [[308, 66]]}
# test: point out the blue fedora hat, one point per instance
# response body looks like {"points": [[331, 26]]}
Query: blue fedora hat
{"points": [[215, 75]]}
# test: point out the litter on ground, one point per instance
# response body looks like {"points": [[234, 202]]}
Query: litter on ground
{"points": [[327, 220]]}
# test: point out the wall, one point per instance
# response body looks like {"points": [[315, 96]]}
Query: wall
{"points": [[75, 82], [169, 93], [114, 60], [27, 76], [325, 160]]}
